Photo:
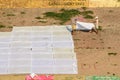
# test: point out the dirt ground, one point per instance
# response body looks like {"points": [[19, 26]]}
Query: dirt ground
{"points": [[92, 50]]}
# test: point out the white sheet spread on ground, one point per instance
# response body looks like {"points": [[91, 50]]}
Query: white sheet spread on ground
{"points": [[37, 49], [84, 26]]}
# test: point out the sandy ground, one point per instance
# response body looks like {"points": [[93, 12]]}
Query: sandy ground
{"points": [[91, 49]]}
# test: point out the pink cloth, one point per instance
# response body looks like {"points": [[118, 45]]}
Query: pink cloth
{"points": [[81, 19], [28, 77]]}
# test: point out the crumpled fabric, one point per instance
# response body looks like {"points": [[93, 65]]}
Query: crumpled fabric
{"points": [[37, 77]]}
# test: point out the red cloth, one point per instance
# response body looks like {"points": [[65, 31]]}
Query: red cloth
{"points": [[43, 77]]}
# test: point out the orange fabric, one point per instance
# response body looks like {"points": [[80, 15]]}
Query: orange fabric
{"points": [[73, 27]]}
